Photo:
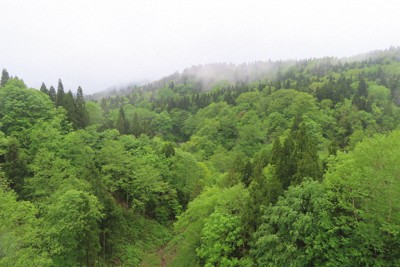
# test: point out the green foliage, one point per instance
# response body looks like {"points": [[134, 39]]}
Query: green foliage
{"points": [[187, 176], [15, 169], [60, 101], [94, 113], [237, 162], [297, 157], [162, 124], [201, 224], [122, 123], [305, 155], [265, 188], [366, 185], [137, 181], [71, 227], [20, 243], [21, 108], [44, 89], [350, 219], [4, 77], [360, 99], [250, 133], [299, 230], [220, 238], [168, 150], [82, 116], [52, 94]]}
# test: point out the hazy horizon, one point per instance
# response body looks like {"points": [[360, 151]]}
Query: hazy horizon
{"points": [[102, 44]]}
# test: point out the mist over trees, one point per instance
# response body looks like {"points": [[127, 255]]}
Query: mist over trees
{"points": [[287, 163]]}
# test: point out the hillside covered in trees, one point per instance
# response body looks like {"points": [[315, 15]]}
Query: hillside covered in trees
{"points": [[286, 163]]}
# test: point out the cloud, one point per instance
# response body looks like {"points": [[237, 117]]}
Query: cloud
{"points": [[97, 44]]}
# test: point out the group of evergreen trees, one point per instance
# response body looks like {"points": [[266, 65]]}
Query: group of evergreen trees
{"points": [[297, 157], [75, 106]]}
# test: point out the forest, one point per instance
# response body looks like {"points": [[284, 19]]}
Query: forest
{"points": [[270, 163]]}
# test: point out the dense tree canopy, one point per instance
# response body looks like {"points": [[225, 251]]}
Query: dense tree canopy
{"points": [[20, 108], [288, 163]]}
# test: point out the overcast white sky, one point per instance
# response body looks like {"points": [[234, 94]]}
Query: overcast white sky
{"points": [[102, 43]]}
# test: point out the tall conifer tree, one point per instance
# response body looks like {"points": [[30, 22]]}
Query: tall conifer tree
{"points": [[136, 125], [306, 156], [360, 99], [60, 94], [4, 77], [52, 93], [44, 89], [122, 123], [82, 116], [69, 105]]}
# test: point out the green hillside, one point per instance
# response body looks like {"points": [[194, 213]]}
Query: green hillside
{"points": [[277, 163]]}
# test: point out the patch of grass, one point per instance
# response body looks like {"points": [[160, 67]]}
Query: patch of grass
{"points": [[151, 260], [180, 253]]}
